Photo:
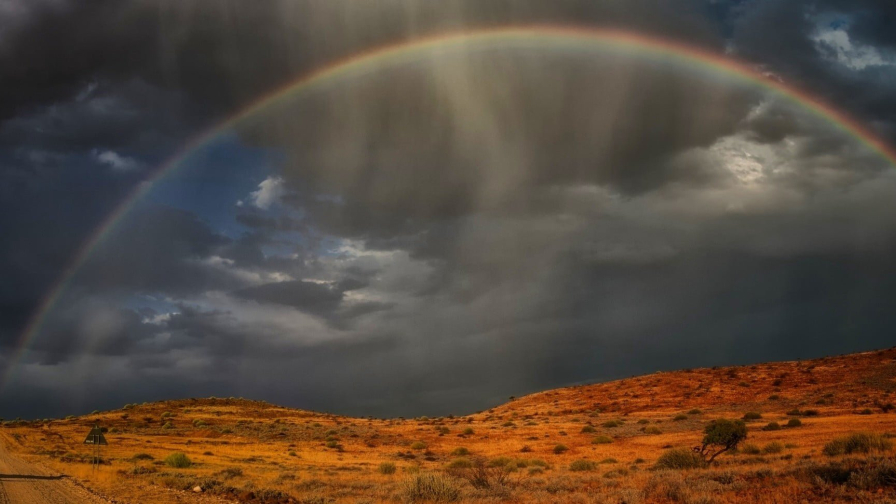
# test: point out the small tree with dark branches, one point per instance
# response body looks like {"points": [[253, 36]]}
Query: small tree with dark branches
{"points": [[720, 436]]}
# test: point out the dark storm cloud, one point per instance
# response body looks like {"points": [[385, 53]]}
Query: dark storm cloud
{"points": [[472, 226], [249, 48], [160, 250]]}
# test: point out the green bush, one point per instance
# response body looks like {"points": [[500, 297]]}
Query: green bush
{"points": [[178, 460], [582, 465], [560, 449], [652, 430], [468, 431], [460, 452], [386, 468], [602, 440], [679, 458], [861, 442], [418, 445], [612, 424], [587, 429], [430, 487], [460, 463]]}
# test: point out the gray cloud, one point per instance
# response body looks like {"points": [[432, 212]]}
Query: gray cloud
{"points": [[457, 229]]}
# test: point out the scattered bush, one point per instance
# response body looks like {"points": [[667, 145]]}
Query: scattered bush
{"points": [[386, 468], [772, 426], [460, 463], [178, 459], [582, 465], [862, 442], [794, 422], [679, 458], [773, 447], [418, 445], [752, 415], [429, 487], [468, 431], [652, 430], [612, 424], [750, 449], [694, 411], [680, 417], [587, 429], [560, 449], [602, 440], [460, 452]]}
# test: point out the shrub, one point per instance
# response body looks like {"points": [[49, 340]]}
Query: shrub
{"points": [[602, 440], [750, 449], [652, 430], [724, 435], [142, 456], [418, 445], [482, 475], [862, 442], [167, 425], [680, 417], [587, 429], [679, 458], [560, 449], [460, 452], [611, 424], [772, 426], [694, 411], [752, 415], [774, 397], [468, 431], [643, 421], [794, 422], [178, 460], [773, 447], [386, 468], [430, 487], [582, 465], [460, 463]]}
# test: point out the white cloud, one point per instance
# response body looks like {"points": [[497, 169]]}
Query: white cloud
{"points": [[836, 41], [269, 192], [116, 161]]}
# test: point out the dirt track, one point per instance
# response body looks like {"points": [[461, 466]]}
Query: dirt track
{"points": [[23, 483]]}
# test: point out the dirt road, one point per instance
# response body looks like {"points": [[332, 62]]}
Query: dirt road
{"points": [[24, 483]]}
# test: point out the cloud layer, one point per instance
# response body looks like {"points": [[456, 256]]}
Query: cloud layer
{"points": [[432, 238]]}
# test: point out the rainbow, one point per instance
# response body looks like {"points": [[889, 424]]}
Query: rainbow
{"points": [[547, 37]]}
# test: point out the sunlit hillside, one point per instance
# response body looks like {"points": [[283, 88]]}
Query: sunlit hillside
{"points": [[607, 442]]}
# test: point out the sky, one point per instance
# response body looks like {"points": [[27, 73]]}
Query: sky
{"points": [[432, 236]]}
